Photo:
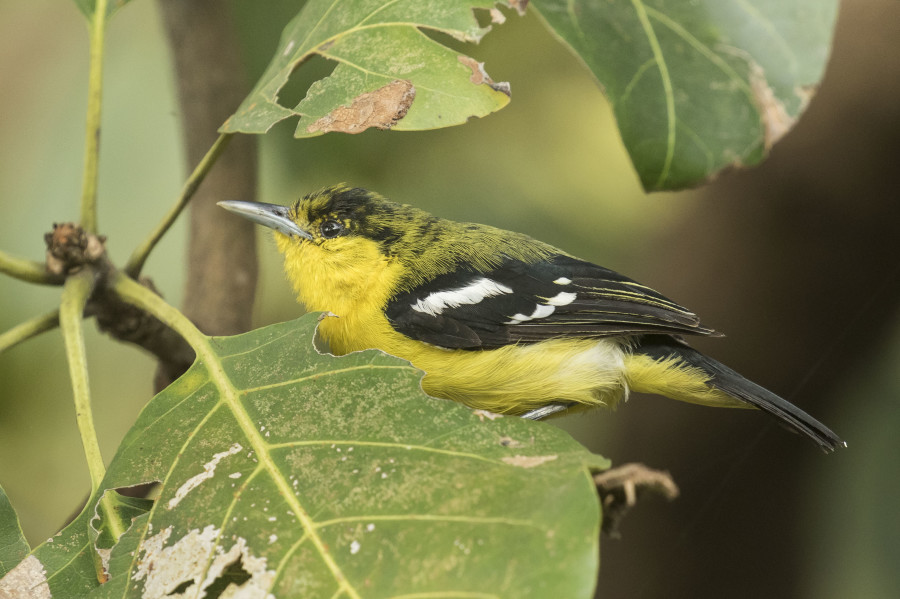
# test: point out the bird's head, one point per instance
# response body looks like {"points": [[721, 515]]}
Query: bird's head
{"points": [[339, 238], [336, 218]]}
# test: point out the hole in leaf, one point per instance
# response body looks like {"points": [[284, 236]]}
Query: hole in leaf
{"points": [[234, 574], [181, 588], [308, 72], [445, 39]]}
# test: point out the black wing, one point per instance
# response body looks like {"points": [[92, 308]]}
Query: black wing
{"points": [[520, 302]]}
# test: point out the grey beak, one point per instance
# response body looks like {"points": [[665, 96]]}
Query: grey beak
{"points": [[273, 216]]}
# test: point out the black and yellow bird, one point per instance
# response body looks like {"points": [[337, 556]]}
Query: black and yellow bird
{"points": [[497, 320]]}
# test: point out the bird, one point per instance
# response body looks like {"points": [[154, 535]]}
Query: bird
{"points": [[497, 320]]}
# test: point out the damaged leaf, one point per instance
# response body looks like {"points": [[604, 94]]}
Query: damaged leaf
{"points": [[698, 86], [13, 546], [65, 563], [389, 74], [381, 109], [284, 472], [111, 520], [27, 579]]}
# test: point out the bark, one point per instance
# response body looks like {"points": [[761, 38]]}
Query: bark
{"points": [[222, 266], [70, 249]]}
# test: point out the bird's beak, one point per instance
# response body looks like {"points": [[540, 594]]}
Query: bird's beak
{"points": [[273, 216]]}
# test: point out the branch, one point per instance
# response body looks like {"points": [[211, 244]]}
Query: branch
{"points": [[92, 133], [28, 329], [136, 262], [140, 298], [619, 489], [127, 323], [77, 289], [70, 250], [27, 270]]}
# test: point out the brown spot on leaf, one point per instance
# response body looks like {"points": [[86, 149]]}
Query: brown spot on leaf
{"points": [[506, 441], [519, 5], [775, 119], [482, 414], [380, 108], [479, 75], [529, 461]]}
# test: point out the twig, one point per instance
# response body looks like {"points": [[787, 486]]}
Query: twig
{"points": [[92, 133], [619, 489], [136, 262], [28, 329], [27, 270], [139, 296], [75, 294]]}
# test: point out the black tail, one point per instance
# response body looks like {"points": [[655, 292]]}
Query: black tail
{"points": [[727, 380]]}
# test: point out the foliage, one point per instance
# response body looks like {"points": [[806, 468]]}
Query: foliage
{"points": [[13, 546], [280, 469], [317, 475], [699, 86]]}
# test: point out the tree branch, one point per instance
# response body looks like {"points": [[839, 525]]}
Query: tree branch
{"points": [[97, 29], [69, 250], [620, 488], [77, 289], [27, 270], [28, 329], [139, 256]]}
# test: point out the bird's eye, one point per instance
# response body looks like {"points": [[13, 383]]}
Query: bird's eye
{"points": [[331, 228]]}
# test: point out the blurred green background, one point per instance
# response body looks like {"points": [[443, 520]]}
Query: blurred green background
{"points": [[796, 261]]}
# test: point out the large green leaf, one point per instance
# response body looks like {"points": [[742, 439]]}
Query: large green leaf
{"points": [[290, 472], [13, 546], [389, 74], [697, 86]]}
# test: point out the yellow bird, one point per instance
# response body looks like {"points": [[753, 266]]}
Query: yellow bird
{"points": [[497, 320]]}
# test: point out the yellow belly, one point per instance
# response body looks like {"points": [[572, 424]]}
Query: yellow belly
{"points": [[508, 380]]}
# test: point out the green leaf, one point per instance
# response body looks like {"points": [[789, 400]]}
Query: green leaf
{"points": [[389, 73], [13, 546], [61, 566], [289, 472], [87, 7], [698, 86], [114, 514]]}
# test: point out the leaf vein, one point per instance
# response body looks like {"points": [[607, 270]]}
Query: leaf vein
{"points": [[641, 11], [406, 446], [432, 518], [320, 375]]}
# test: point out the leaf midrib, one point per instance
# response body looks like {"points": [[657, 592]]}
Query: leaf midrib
{"points": [[230, 396]]}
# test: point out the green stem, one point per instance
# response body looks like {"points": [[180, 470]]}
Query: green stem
{"points": [[138, 295], [75, 294], [139, 256], [27, 270], [114, 523], [28, 329], [97, 29]]}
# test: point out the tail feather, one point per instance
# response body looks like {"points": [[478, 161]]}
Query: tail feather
{"points": [[733, 384]]}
